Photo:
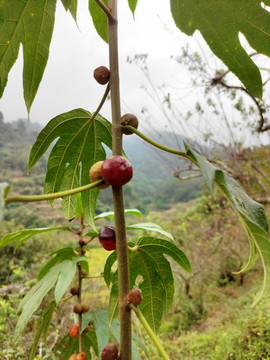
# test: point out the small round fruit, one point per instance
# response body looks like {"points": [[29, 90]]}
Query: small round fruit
{"points": [[81, 356], [74, 330], [95, 174], [107, 238], [77, 309], [81, 242], [110, 352], [102, 75], [131, 120], [72, 357], [86, 329], [85, 308], [84, 273], [116, 170], [74, 291], [134, 297]]}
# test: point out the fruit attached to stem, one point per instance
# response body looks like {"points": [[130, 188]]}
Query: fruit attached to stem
{"points": [[116, 170], [95, 174], [77, 309], [102, 75], [134, 297], [74, 330], [131, 120], [110, 352], [107, 237]]}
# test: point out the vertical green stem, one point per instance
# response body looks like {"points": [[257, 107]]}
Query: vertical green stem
{"points": [[118, 198]]}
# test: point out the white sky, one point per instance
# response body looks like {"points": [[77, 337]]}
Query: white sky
{"points": [[74, 54]]}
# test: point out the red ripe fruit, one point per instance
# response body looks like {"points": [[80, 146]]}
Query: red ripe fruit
{"points": [[72, 357], [74, 330], [116, 170], [81, 356], [110, 352], [134, 297], [106, 237], [102, 75]]}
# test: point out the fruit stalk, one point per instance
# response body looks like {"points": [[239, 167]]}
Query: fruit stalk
{"points": [[118, 199]]}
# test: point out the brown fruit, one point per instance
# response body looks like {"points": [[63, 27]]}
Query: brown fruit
{"points": [[131, 120], [95, 174], [81, 242], [83, 251], [84, 273], [110, 352], [81, 356], [74, 291], [102, 75], [85, 308], [77, 309], [72, 357], [134, 297], [86, 329]]}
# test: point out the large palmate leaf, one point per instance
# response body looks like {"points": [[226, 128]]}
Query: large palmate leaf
{"points": [[30, 23], [220, 22], [78, 147], [157, 285], [99, 18], [251, 212]]}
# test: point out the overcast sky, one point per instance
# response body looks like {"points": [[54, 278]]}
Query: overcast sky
{"points": [[74, 54]]}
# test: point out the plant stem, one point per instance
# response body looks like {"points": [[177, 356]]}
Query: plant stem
{"points": [[60, 194], [101, 102], [154, 143], [80, 290], [118, 198], [150, 332]]}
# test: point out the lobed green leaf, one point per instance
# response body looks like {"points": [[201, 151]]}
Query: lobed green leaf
{"points": [[150, 227], [220, 22], [29, 23], [79, 146], [110, 214], [157, 285]]}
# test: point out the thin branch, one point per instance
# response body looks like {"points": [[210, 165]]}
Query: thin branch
{"points": [[60, 194], [106, 9]]}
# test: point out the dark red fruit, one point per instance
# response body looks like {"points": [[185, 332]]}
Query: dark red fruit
{"points": [[81, 242], [72, 357], [116, 170], [102, 75], [74, 291], [83, 251], [134, 297], [74, 330], [106, 237], [81, 356], [77, 309], [110, 352], [131, 120]]}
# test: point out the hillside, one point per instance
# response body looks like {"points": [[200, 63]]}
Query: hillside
{"points": [[153, 185]]}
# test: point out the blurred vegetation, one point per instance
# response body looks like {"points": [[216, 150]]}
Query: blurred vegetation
{"points": [[211, 317]]}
